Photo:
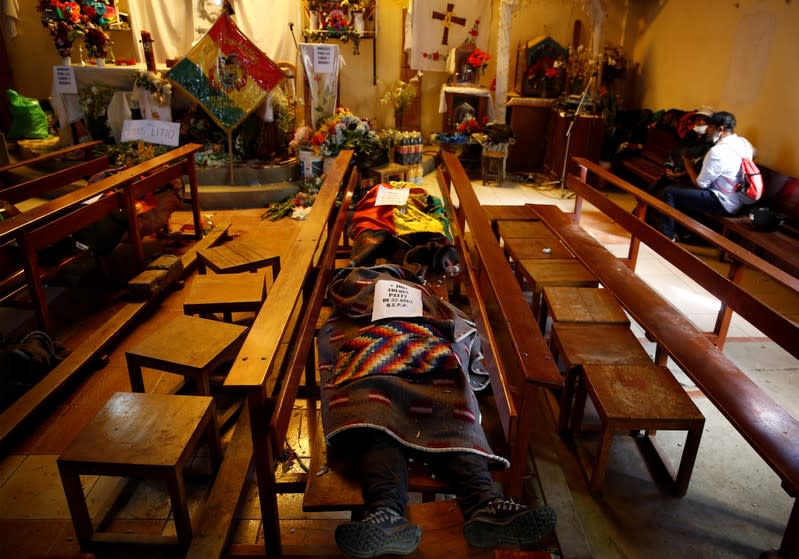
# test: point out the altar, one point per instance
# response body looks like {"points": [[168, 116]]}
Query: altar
{"points": [[67, 106]]}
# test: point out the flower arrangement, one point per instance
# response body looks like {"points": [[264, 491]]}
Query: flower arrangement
{"points": [[478, 59], [68, 20], [94, 99], [344, 130], [544, 76], [306, 138], [63, 21], [335, 26], [400, 94], [155, 83], [579, 67], [97, 42], [355, 7], [472, 126]]}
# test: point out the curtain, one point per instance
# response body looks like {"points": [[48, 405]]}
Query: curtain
{"points": [[177, 24]]}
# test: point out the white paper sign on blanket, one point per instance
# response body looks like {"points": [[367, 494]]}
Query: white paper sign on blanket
{"points": [[396, 300]]}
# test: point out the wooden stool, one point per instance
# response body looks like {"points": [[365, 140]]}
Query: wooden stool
{"points": [[541, 273], [518, 248], [577, 344], [527, 229], [580, 305], [497, 213], [225, 293], [641, 398], [492, 164], [240, 255], [388, 173], [147, 436], [188, 346]]}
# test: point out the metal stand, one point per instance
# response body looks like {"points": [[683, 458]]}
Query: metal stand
{"points": [[573, 118]]}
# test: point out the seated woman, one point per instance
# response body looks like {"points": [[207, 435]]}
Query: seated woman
{"points": [[399, 370]]}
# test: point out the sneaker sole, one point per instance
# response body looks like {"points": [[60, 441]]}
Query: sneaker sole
{"points": [[522, 530], [363, 541]]}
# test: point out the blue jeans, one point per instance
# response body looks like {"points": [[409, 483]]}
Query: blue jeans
{"points": [[690, 201], [384, 472]]}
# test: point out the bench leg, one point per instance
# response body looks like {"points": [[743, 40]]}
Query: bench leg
{"points": [[180, 508], [687, 461], [724, 317], [78, 509]]}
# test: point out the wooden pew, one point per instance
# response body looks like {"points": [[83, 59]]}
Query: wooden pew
{"points": [[132, 183], [728, 291], [267, 372], [81, 151], [737, 397]]}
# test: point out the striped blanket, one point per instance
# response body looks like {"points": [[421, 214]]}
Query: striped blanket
{"points": [[413, 378]]}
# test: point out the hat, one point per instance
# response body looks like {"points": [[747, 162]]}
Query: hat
{"points": [[705, 111]]}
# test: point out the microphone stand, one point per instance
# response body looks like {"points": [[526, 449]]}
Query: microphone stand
{"points": [[572, 120]]}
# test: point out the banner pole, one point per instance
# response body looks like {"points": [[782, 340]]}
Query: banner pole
{"points": [[230, 178]]}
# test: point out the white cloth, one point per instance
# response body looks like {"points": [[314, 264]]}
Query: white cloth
{"points": [[118, 112], [462, 90], [10, 18], [177, 24], [435, 31], [720, 169]]}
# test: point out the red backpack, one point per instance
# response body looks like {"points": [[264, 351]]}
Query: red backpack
{"points": [[750, 181]]}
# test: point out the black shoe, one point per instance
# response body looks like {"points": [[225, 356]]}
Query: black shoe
{"points": [[505, 522], [379, 533]]}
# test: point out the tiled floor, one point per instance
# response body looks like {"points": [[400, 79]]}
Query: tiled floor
{"points": [[734, 507]]}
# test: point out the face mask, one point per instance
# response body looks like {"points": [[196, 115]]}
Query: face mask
{"points": [[716, 136], [701, 129]]}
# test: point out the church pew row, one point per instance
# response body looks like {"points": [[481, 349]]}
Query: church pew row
{"points": [[131, 183], [768, 428], [732, 296], [77, 152], [268, 372]]}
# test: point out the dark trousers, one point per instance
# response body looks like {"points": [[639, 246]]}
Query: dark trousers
{"points": [[384, 469], [689, 200]]}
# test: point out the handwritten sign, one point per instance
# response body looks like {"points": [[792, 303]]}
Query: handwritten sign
{"points": [[64, 80], [151, 131], [391, 196], [324, 58], [393, 299]]}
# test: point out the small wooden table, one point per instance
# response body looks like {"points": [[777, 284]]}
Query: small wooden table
{"points": [[148, 436], [527, 229], [225, 293], [641, 398], [240, 255], [187, 346], [387, 173], [520, 248]]}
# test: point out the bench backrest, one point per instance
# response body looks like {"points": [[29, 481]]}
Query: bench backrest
{"points": [[522, 360], [45, 184]]}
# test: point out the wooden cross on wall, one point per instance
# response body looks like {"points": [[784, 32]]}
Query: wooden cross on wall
{"points": [[448, 18]]}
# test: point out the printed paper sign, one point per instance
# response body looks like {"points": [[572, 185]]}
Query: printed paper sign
{"points": [[391, 196], [394, 300], [64, 80], [151, 131], [324, 59]]}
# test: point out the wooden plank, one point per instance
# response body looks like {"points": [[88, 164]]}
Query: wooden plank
{"points": [[215, 523]]}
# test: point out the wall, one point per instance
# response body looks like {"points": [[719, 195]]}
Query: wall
{"points": [[736, 56]]}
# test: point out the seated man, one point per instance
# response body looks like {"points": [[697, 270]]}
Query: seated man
{"points": [[716, 188], [399, 384]]}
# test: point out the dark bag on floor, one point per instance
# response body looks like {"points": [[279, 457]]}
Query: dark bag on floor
{"points": [[25, 363]]}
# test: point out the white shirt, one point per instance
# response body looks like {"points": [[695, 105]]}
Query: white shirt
{"points": [[720, 169]]}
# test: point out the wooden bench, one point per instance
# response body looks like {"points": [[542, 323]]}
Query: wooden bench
{"points": [[736, 396], [78, 152], [728, 290], [126, 186]]}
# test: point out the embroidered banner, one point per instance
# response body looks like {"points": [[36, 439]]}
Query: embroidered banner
{"points": [[226, 73], [438, 26]]}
